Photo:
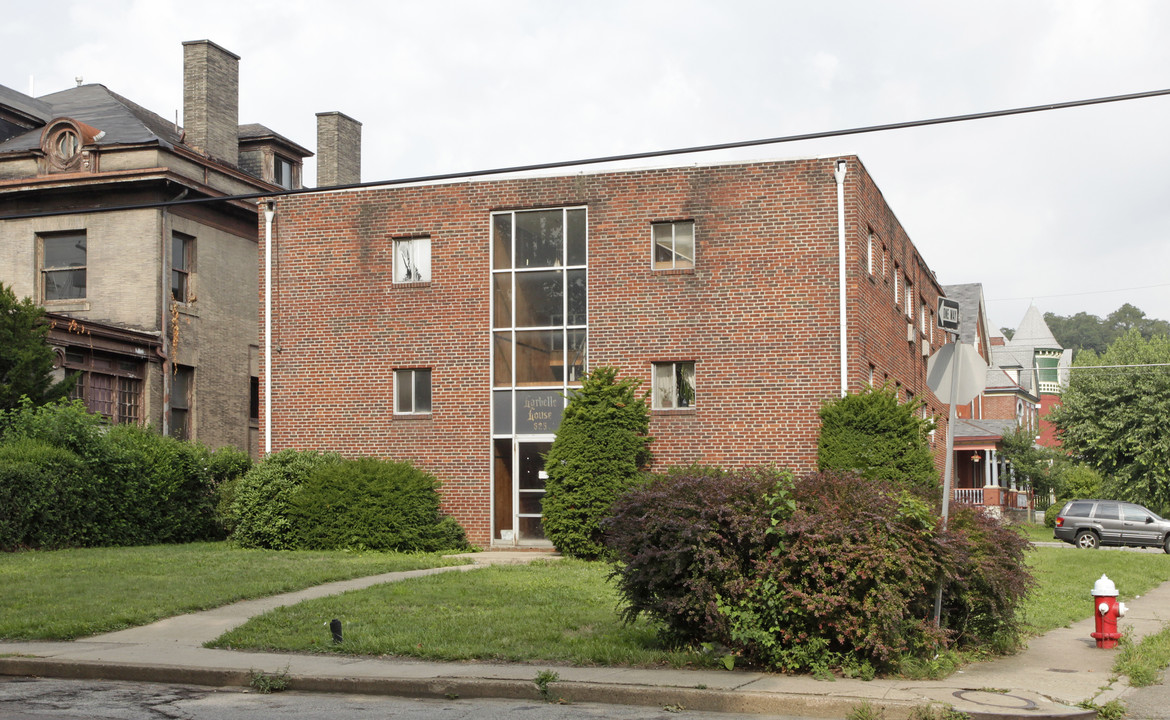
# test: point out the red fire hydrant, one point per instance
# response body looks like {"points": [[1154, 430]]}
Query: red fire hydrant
{"points": [[1108, 610]]}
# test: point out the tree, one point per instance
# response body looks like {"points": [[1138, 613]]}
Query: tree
{"points": [[870, 433], [1114, 418], [1043, 467], [26, 360], [600, 449]]}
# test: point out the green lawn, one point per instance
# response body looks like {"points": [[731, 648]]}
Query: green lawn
{"points": [[72, 593], [558, 611], [1036, 532]]}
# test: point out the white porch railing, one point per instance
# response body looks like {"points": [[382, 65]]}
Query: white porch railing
{"points": [[970, 496]]}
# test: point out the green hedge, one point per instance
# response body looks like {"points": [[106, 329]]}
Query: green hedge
{"points": [[69, 479]]}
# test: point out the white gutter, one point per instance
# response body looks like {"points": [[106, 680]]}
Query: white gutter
{"points": [[269, 212], [839, 173]]}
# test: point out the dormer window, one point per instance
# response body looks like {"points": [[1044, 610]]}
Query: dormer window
{"points": [[282, 172], [64, 141]]}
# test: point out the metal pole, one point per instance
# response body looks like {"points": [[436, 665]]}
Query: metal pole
{"points": [[952, 417]]}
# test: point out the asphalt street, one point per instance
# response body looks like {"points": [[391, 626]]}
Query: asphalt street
{"points": [[51, 699]]}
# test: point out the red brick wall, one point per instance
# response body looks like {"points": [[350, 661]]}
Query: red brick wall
{"points": [[758, 315]]}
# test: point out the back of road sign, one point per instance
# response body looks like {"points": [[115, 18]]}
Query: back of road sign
{"points": [[971, 368]]}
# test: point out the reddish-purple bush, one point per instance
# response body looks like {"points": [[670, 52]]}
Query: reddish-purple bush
{"points": [[686, 539], [829, 570]]}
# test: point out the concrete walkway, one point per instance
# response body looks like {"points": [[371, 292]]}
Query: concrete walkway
{"points": [[1057, 671]]}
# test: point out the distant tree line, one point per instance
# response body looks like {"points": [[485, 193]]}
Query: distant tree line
{"points": [[1089, 332]]}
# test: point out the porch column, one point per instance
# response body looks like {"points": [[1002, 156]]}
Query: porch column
{"points": [[986, 469], [993, 462]]}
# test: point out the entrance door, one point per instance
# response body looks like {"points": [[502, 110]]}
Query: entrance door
{"points": [[519, 489]]}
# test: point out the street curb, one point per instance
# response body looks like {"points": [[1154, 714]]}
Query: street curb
{"points": [[699, 699]]}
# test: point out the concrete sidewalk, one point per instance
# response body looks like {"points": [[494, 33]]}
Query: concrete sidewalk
{"points": [[1057, 671]]}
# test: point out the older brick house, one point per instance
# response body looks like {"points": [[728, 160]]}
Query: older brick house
{"points": [[154, 307], [443, 323]]}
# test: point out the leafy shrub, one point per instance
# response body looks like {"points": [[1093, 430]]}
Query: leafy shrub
{"points": [[873, 435], [228, 465], [986, 579], [124, 484], [371, 504], [683, 540], [43, 496], [852, 583], [827, 571], [264, 496], [600, 448]]}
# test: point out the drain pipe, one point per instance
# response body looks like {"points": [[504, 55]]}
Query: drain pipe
{"points": [[839, 173], [269, 212]]}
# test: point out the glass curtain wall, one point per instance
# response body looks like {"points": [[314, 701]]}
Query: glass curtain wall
{"points": [[539, 340]]}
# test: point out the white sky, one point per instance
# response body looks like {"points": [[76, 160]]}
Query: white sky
{"points": [[1067, 209]]}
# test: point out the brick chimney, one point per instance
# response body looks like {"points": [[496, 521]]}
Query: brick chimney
{"points": [[339, 150], [211, 100]]}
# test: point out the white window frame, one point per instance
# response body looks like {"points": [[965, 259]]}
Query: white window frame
{"points": [[414, 375], [897, 284], [676, 401], [869, 254], [412, 260], [675, 263]]}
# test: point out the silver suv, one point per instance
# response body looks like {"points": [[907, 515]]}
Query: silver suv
{"points": [[1092, 523]]}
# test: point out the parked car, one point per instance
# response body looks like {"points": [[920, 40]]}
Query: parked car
{"points": [[1092, 523]]}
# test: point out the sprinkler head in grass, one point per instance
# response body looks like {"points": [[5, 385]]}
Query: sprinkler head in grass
{"points": [[335, 628]]}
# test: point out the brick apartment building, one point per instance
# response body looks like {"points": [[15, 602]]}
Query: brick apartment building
{"points": [[443, 323], [154, 307]]}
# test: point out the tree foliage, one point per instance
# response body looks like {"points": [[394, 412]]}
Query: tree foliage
{"points": [[873, 435], [600, 449], [1114, 418], [1089, 332], [26, 360]]}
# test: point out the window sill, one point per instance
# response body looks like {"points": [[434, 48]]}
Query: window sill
{"points": [[673, 271], [672, 412], [412, 416], [407, 285], [186, 309], [66, 305]]}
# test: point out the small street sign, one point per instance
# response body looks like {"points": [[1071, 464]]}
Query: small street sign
{"points": [[948, 314]]}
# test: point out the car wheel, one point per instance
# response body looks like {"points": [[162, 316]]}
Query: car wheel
{"points": [[1087, 539], [1166, 545]]}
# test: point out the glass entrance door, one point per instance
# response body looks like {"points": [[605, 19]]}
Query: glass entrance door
{"points": [[519, 490]]}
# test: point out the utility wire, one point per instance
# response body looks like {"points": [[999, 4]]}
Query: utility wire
{"points": [[616, 158]]}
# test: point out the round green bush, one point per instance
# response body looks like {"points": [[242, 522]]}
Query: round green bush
{"points": [[264, 496], [370, 504], [45, 495], [1051, 513]]}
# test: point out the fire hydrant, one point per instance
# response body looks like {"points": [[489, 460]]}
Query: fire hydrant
{"points": [[1108, 612]]}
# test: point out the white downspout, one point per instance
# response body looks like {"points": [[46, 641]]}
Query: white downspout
{"points": [[839, 173], [269, 212]]}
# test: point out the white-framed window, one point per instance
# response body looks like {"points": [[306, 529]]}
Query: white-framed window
{"points": [[922, 316], [674, 385], [182, 262], [885, 261], [63, 266], [869, 253], [674, 244], [412, 260], [909, 300], [897, 284], [412, 392]]}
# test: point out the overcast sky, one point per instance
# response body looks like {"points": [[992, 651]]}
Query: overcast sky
{"points": [[1067, 209]]}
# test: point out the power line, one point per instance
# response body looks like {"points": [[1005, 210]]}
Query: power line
{"points": [[620, 158], [1090, 292]]}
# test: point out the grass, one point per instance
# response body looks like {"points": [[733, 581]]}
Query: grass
{"points": [[1143, 662], [553, 612], [1036, 532], [1065, 578], [66, 594]]}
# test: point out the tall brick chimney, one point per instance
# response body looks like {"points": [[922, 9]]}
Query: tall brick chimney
{"points": [[211, 100], [339, 150]]}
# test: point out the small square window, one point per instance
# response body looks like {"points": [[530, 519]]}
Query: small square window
{"points": [[412, 392], [63, 266], [674, 385], [412, 260], [674, 245]]}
